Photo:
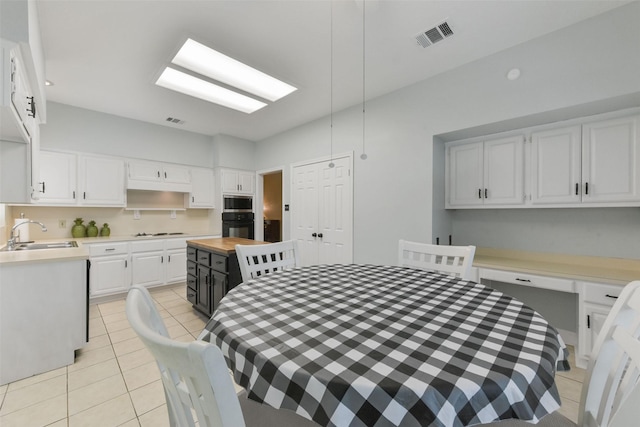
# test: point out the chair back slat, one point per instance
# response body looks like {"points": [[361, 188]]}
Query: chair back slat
{"points": [[257, 260], [450, 260], [611, 382], [194, 374]]}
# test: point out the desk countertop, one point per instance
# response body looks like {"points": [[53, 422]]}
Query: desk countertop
{"points": [[619, 271]]}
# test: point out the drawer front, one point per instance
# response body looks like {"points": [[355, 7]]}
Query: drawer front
{"points": [[204, 257], [147, 246], [219, 263], [191, 290], [543, 282], [192, 268], [601, 294], [109, 249], [175, 243], [192, 254]]}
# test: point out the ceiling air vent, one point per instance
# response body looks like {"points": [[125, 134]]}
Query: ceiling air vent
{"points": [[174, 120], [434, 35]]}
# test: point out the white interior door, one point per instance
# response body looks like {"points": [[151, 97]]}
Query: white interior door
{"points": [[322, 212], [335, 220], [304, 212]]}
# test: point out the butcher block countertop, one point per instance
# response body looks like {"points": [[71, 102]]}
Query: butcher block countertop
{"points": [[619, 271], [223, 245]]}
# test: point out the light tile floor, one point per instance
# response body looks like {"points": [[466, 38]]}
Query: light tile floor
{"points": [[115, 381]]}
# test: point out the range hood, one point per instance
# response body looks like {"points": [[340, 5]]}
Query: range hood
{"points": [[155, 176]]}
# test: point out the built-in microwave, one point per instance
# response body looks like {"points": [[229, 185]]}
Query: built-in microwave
{"points": [[234, 203]]}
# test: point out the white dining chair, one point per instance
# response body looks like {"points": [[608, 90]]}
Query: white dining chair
{"points": [[611, 390], [257, 260], [450, 260], [194, 374]]}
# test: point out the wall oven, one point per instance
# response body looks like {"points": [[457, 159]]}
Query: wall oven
{"points": [[237, 216], [238, 224]]}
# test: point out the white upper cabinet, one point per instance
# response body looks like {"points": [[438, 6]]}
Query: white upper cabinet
{"points": [[57, 184], [76, 179], [203, 193], [486, 174], [237, 181], [101, 181], [555, 166], [582, 164], [143, 175], [610, 159]]}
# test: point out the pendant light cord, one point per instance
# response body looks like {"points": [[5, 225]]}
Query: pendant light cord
{"points": [[363, 156], [331, 85]]}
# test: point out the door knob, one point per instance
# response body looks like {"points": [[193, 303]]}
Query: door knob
{"points": [[314, 234], [320, 235]]}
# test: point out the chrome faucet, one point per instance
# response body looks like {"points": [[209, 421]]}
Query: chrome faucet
{"points": [[11, 243]]}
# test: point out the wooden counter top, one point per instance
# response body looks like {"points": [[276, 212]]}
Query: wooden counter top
{"points": [[619, 271], [223, 245]]}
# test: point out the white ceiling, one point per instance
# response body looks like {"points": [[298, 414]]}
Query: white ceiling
{"points": [[106, 55]]}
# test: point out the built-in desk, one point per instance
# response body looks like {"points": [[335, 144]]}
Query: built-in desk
{"points": [[547, 281]]}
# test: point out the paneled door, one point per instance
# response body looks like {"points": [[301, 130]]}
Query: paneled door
{"points": [[322, 211]]}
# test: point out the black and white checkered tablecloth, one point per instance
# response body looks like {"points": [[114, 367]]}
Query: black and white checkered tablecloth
{"points": [[365, 345]]}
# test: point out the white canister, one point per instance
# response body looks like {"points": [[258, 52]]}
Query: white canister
{"points": [[22, 231]]}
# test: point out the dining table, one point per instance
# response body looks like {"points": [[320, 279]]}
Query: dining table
{"points": [[378, 345]]}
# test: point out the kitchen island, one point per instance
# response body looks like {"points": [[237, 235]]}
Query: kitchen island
{"points": [[213, 270]]}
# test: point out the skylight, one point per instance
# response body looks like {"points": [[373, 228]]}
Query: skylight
{"points": [[193, 86], [208, 62]]}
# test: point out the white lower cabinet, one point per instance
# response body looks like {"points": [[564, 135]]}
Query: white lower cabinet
{"points": [[115, 267], [147, 263], [596, 300], [110, 268], [175, 260]]}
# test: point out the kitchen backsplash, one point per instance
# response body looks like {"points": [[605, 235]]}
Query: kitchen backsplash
{"points": [[121, 222]]}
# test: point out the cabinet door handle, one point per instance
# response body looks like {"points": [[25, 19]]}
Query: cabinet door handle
{"points": [[110, 249], [577, 187], [586, 188], [84, 195], [158, 174], [193, 199], [523, 280], [31, 111], [169, 256], [74, 194], [479, 193], [165, 174], [485, 193], [588, 322], [162, 259], [611, 296], [126, 264], [42, 187]]}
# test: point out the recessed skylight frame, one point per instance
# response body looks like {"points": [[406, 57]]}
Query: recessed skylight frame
{"points": [[204, 60], [202, 89]]}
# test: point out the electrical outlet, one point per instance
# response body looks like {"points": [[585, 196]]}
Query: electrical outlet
{"points": [[62, 223]]}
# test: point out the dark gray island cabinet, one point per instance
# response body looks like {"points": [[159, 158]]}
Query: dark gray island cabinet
{"points": [[212, 270]]}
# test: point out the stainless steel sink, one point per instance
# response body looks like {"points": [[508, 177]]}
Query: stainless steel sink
{"points": [[54, 245]]}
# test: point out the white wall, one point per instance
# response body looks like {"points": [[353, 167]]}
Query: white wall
{"points": [[232, 152], [393, 187], [78, 129]]}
